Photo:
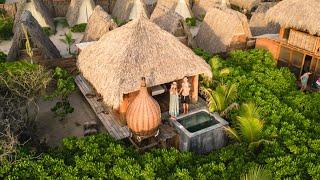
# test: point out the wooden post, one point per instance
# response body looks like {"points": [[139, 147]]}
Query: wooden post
{"points": [[195, 88]]}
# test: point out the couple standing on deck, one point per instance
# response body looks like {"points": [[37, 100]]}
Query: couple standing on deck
{"points": [[174, 98]]}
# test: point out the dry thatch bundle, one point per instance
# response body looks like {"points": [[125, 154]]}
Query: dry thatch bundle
{"points": [[100, 22], [259, 24], [299, 14], [37, 36], [166, 17], [115, 63], [126, 10], [38, 10], [201, 7], [221, 28], [79, 11], [181, 7], [245, 4]]}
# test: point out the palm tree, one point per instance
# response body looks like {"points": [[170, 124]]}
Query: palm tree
{"points": [[249, 126], [68, 41], [221, 99], [257, 173]]}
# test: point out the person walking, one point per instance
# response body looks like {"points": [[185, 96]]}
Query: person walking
{"points": [[174, 101], [304, 80], [185, 92]]}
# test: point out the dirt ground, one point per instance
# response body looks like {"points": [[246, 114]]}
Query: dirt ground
{"points": [[52, 130]]}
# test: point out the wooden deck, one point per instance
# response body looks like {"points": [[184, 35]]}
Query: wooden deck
{"points": [[106, 116]]}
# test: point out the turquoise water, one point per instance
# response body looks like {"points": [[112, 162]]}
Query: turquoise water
{"points": [[197, 121]]}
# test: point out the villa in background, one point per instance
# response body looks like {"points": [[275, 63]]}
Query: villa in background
{"points": [[298, 44]]}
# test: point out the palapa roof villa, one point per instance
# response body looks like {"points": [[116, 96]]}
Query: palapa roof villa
{"points": [[222, 30], [100, 22], [168, 75], [115, 63], [297, 45]]}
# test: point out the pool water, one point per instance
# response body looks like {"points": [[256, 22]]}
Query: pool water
{"points": [[197, 121]]}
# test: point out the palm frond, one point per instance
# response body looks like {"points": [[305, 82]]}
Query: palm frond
{"points": [[257, 173], [254, 145], [232, 133], [250, 110]]}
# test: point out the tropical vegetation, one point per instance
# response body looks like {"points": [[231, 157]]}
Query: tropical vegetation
{"points": [[268, 97], [68, 40], [6, 26], [79, 28]]}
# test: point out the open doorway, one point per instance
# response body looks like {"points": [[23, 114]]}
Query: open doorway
{"points": [[307, 64]]}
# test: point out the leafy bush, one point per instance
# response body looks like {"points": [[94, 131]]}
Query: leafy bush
{"points": [[47, 31], [119, 22], [3, 57], [205, 55], [6, 25], [2, 1], [291, 117], [64, 87], [191, 21], [79, 28]]}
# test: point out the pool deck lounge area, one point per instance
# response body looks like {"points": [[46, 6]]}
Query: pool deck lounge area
{"points": [[111, 120]]}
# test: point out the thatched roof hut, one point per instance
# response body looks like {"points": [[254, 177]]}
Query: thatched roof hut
{"points": [[126, 10], [245, 4], [79, 11], [181, 7], [115, 63], [100, 22], [259, 24], [37, 37], [201, 7], [222, 28], [38, 10], [299, 14]]}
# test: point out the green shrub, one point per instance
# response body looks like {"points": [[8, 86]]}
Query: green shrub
{"points": [[2, 1], [3, 57], [205, 55], [191, 21], [47, 31], [79, 28], [6, 25], [119, 22]]}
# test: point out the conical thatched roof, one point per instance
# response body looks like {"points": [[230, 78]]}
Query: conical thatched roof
{"points": [[245, 4], [166, 18], [138, 49], [125, 10], [39, 10], [219, 29], [37, 37], [298, 14], [100, 22], [79, 11], [201, 7], [181, 7], [259, 24]]}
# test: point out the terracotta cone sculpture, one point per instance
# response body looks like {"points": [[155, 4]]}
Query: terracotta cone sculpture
{"points": [[143, 114]]}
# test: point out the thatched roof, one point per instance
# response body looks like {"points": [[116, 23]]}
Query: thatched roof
{"points": [[100, 22], [75, 10], [37, 37], [181, 7], [39, 7], [126, 10], [166, 18], [201, 7], [245, 4], [299, 14], [219, 29], [115, 63], [259, 24]]}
